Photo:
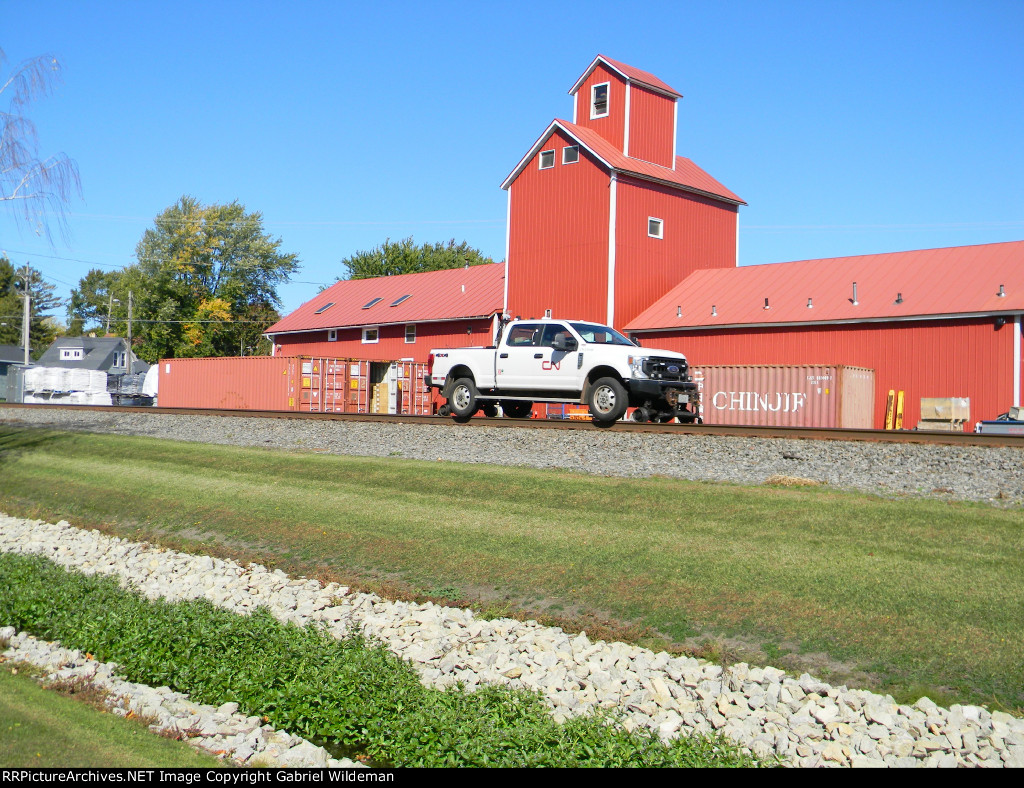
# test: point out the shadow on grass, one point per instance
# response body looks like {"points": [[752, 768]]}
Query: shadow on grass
{"points": [[15, 441]]}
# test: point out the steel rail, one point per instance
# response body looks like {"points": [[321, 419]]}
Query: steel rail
{"points": [[797, 433]]}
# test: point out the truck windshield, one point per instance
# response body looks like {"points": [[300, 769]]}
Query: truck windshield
{"points": [[600, 335]]}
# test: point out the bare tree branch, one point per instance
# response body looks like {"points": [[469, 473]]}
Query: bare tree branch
{"points": [[39, 189]]}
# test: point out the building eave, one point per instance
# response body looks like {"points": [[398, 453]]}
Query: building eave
{"points": [[382, 324], [845, 321]]}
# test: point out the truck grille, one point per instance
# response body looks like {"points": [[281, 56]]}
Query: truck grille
{"points": [[666, 369]]}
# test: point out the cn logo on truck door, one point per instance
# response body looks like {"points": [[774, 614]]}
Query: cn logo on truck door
{"points": [[532, 363]]}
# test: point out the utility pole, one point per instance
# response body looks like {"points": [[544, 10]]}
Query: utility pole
{"points": [[110, 305], [26, 319], [128, 358]]}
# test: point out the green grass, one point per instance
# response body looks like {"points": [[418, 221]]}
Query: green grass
{"points": [[903, 595], [355, 696], [42, 729]]}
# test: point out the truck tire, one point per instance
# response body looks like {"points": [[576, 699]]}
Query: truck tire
{"points": [[607, 400], [462, 400], [515, 409]]}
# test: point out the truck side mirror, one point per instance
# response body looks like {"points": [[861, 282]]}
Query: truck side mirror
{"points": [[563, 343]]}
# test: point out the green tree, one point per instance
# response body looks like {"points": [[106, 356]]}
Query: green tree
{"points": [[42, 328], [406, 257], [93, 301], [35, 188], [204, 284]]}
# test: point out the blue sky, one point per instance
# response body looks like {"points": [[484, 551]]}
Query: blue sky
{"points": [[848, 127]]}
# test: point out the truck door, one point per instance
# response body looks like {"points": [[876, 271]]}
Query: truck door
{"points": [[519, 357], [528, 360], [558, 368]]}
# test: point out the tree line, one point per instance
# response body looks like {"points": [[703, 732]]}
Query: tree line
{"points": [[205, 278]]}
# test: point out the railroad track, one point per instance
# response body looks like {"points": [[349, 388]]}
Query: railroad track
{"points": [[799, 433]]}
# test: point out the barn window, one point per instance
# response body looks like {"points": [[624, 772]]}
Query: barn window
{"points": [[410, 333], [371, 336], [655, 227], [332, 335], [570, 154], [547, 159], [599, 100], [324, 308]]}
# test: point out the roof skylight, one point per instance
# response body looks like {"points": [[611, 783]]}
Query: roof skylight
{"points": [[371, 303], [397, 301], [324, 308]]}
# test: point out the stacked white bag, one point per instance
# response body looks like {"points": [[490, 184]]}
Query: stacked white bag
{"points": [[82, 386]]}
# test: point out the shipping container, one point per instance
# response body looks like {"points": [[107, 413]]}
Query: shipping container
{"points": [[296, 383], [825, 396]]}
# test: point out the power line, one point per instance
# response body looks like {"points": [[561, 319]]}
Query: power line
{"points": [[233, 266], [303, 223]]}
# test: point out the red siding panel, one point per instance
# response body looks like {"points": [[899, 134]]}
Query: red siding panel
{"points": [[698, 233], [558, 238], [613, 125], [391, 344], [928, 358], [651, 126]]}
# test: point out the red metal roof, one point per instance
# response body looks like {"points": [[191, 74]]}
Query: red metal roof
{"points": [[630, 73], [686, 175], [959, 280], [477, 291]]}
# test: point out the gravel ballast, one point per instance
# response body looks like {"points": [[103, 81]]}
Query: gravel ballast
{"points": [[967, 473]]}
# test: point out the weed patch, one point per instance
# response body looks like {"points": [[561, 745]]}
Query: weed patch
{"points": [[351, 694]]}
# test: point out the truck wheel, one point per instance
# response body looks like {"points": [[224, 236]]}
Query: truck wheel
{"points": [[463, 399], [515, 409], [607, 400]]}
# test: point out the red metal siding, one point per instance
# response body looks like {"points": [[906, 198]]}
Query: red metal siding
{"points": [[940, 358], [613, 125], [253, 383], [651, 126], [391, 345], [558, 238], [291, 384], [787, 396], [698, 233]]}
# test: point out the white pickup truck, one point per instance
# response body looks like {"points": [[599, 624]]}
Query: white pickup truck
{"points": [[564, 361]]}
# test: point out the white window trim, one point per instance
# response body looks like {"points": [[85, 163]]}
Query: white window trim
{"points": [[376, 335], [71, 353], [593, 98], [571, 147], [540, 160], [661, 227], [413, 327], [332, 335]]}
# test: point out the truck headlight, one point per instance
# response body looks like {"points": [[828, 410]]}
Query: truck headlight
{"points": [[636, 367]]}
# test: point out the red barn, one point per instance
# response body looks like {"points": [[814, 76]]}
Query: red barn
{"points": [[392, 318], [603, 216], [931, 323]]}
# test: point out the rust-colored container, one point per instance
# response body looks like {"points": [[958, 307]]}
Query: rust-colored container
{"points": [[295, 383], [251, 383], [787, 396]]}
